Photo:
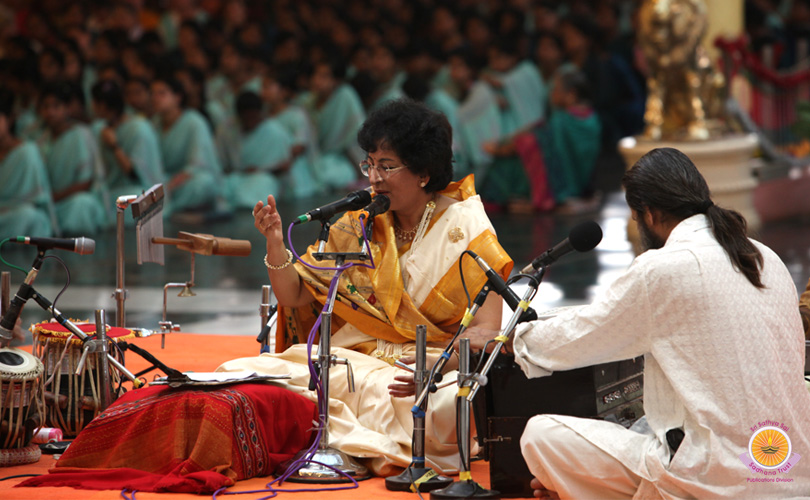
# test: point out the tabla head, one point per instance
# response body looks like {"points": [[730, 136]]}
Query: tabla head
{"points": [[18, 364]]}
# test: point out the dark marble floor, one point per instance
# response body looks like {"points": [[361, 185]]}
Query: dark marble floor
{"points": [[229, 288]]}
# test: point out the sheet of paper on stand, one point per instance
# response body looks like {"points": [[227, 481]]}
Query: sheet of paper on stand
{"points": [[217, 378]]}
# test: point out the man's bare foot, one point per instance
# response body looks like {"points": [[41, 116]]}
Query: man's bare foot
{"points": [[541, 492]]}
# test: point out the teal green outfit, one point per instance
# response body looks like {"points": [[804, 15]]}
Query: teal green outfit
{"points": [[27, 125], [73, 158], [570, 142], [221, 100], [302, 180], [526, 94], [139, 141], [187, 146], [390, 91], [439, 100], [337, 123], [442, 80], [26, 205], [261, 151], [478, 122]]}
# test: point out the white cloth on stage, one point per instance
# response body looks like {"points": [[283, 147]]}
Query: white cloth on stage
{"points": [[721, 357], [369, 423]]}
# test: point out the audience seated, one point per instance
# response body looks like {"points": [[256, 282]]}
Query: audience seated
{"points": [[26, 204], [218, 50], [129, 144], [303, 178], [187, 149], [252, 150], [75, 170], [559, 154], [337, 112]]}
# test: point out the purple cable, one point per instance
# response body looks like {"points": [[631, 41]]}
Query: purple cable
{"points": [[323, 405], [274, 491], [370, 265]]}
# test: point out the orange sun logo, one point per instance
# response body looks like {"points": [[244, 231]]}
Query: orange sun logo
{"points": [[769, 447]]}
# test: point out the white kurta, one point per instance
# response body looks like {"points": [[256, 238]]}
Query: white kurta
{"points": [[721, 356]]}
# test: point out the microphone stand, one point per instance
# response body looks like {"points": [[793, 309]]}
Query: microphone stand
{"points": [[268, 317], [506, 332], [445, 356], [417, 476], [465, 487], [327, 464], [27, 291], [120, 293]]}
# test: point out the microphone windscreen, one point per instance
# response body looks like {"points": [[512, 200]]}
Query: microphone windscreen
{"points": [[361, 197], [85, 246], [584, 237]]}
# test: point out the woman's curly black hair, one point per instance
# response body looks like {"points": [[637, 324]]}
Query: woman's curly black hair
{"points": [[420, 137]]}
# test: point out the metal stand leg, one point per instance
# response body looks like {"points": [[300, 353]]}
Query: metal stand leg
{"points": [[465, 487], [417, 475], [105, 389], [265, 312]]}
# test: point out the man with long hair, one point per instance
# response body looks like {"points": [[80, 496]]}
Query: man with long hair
{"points": [[715, 316]]}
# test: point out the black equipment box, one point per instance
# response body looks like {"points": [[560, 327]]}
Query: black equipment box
{"points": [[807, 357], [610, 391]]}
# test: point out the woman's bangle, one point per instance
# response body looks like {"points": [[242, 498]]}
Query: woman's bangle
{"points": [[282, 266]]}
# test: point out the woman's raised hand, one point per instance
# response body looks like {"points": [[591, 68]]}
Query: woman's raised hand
{"points": [[268, 221]]}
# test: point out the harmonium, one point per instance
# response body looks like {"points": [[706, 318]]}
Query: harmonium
{"points": [[611, 391]]}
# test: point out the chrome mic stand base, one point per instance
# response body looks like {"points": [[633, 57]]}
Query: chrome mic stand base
{"points": [[312, 472], [409, 476], [417, 476], [464, 489]]}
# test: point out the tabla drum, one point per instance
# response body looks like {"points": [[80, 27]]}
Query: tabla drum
{"points": [[71, 400], [21, 406]]}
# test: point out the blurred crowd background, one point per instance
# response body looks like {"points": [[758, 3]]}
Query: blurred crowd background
{"points": [[227, 101]]}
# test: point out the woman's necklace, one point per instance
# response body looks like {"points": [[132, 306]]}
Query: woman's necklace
{"points": [[403, 235], [415, 235]]}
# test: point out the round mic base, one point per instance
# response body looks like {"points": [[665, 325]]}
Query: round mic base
{"points": [[411, 475], [313, 472], [464, 489]]}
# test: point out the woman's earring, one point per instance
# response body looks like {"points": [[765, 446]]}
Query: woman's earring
{"points": [[423, 184]]}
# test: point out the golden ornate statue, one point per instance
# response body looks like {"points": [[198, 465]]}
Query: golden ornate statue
{"points": [[684, 92]]}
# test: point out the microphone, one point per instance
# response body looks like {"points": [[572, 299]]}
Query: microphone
{"points": [[25, 292], [10, 318], [82, 245], [352, 201], [379, 206], [500, 287], [584, 237]]}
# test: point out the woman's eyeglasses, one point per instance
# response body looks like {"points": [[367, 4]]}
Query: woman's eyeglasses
{"points": [[383, 171]]}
